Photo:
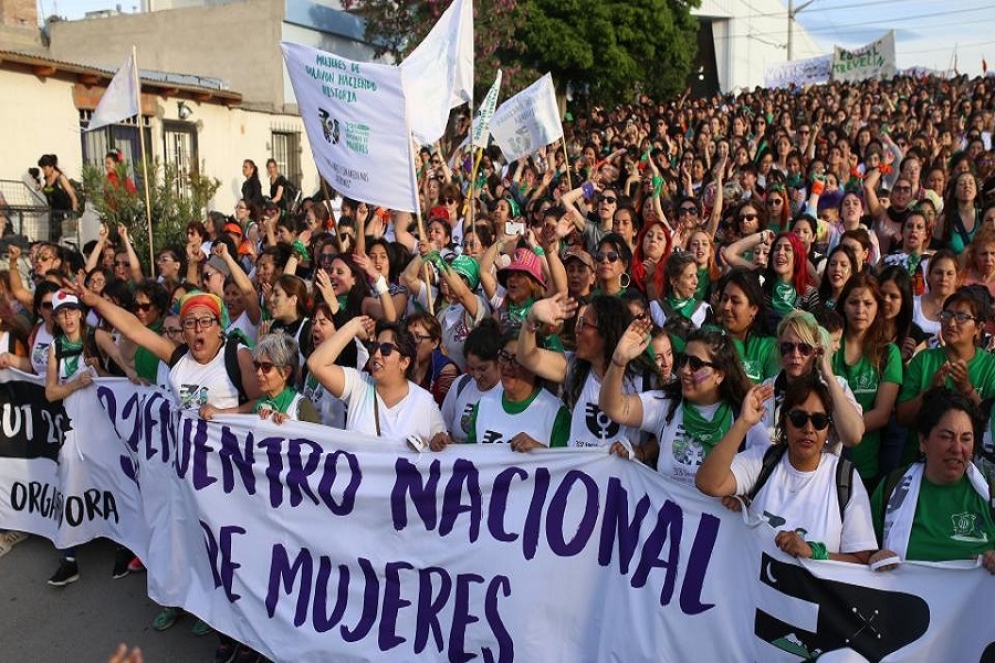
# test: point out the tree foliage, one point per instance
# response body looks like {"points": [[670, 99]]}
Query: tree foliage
{"points": [[610, 48]]}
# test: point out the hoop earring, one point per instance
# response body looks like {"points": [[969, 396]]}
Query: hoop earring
{"points": [[628, 280]]}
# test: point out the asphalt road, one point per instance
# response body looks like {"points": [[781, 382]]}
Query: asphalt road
{"points": [[84, 622]]}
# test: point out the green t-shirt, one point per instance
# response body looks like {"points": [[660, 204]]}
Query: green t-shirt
{"points": [[759, 356], [146, 363], [919, 377], [561, 425], [864, 379], [951, 522]]}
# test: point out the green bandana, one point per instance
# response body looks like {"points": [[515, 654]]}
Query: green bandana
{"points": [[278, 403], [784, 297], [913, 263], [703, 284], [76, 349], [684, 307], [707, 433], [517, 312]]}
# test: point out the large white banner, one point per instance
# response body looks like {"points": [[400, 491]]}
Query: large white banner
{"points": [[528, 121], [355, 117], [312, 544], [875, 60], [438, 74], [810, 71]]}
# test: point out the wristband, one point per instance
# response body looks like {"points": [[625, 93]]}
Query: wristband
{"points": [[531, 326], [818, 187], [539, 251], [617, 363], [588, 189], [819, 550], [380, 286]]}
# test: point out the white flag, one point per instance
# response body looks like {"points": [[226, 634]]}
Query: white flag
{"points": [[528, 121], [355, 117], [120, 100], [438, 75], [482, 121]]}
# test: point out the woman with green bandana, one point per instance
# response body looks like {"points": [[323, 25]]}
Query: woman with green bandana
{"points": [[275, 359], [786, 280], [681, 287], [688, 417], [742, 313], [871, 366]]}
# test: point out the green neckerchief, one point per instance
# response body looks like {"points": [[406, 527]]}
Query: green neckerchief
{"points": [[74, 347], [342, 300], [518, 312], [684, 307], [784, 297], [913, 261], [707, 433], [278, 403], [703, 283]]}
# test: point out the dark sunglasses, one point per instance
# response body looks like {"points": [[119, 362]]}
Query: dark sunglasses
{"points": [[264, 366], [448, 201], [687, 211], [804, 349], [386, 349], [696, 363], [799, 418], [748, 217], [610, 256], [611, 200], [46, 306], [143, 307]]}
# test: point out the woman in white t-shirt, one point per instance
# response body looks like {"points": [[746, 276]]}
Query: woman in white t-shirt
{"points": [[383, 402], [800, 496], [689, 416]]}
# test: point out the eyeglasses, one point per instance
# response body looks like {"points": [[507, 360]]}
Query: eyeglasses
{"points": [[800, 418], [687, 211], [959, 316], [199, 323], [583, 322], [610, 256], [386, 349], [422, 337], [804, 349], [44, 258], [147, 306], [172, 331], [748, 217], [775, 201], [902, 189], [264, 366], [804, 132], [506, 357], [448, 201], [611, 200], [326, 257], [240, 207], [696, 363]]}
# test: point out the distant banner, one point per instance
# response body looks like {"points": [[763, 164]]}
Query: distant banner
{"points": [[527, 121], [313, 544], [875, 60], [355, 117], [811, 71]]}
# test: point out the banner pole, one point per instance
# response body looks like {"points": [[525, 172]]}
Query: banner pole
{"points": [[145, 162], [566, 162]]}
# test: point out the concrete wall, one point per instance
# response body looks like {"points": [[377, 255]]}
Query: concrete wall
{"points": [[237, 42]]}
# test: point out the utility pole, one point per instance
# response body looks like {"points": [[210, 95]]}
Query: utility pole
{"points": [[792, 12]]}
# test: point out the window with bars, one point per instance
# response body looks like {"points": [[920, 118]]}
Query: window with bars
{"points": [[122, 137], [286, 151]]}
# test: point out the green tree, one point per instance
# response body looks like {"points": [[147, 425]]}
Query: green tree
{"points": [[176, 199]]}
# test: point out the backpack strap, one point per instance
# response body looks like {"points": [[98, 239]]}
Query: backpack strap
{"points": [[177, 355], [462, 383], [772, 457], [890, 483], [844, 484], [234, 370]]}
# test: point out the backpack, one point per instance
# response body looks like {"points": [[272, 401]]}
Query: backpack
{"points": [[232, 368], [773, 455], [895, 476]]}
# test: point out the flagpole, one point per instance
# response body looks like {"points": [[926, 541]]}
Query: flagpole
{"points": [[145, 162], [422, 235]]}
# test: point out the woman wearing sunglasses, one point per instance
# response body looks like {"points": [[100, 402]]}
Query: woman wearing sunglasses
{"points": [[871, 366], [806, 350], [689, 416], [800, 496], [383, 402], [612, 261], [959, 364], [276, 360]]}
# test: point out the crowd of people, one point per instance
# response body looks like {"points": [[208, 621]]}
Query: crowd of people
{"points": [[784, 298]]}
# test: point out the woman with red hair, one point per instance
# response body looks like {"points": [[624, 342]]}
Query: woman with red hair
{"points": [[778, 208], [653, 246], [786, 281]]}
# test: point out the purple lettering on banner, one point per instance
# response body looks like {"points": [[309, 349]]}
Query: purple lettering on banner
{"points": [[465, 480], [161, 420], [409, 483], [185, 443], [345, 505], [150, 423], [506, 645], [371, 602], [109, 401], [701, 555], [298, 470], [236, 453], [324, 622], [132, 406], [387, 637], [669, 526], [429, 607], [201, 450], [274, 468], [616, 525], [281, 571], [557, 509], [499, 503], [462, 618], [533, 521], [219, 552]]}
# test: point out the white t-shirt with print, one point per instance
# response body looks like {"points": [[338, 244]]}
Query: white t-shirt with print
{"points": [[457, 408], [415, 414], [590, 427], [196, 384]]}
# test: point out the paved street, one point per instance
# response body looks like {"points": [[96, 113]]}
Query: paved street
{"points": [[84, 622]]}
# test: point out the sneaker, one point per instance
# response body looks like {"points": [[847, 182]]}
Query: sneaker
{"points": [[226, 652], [122, 562], [9, 539], [136, 566], [167, 618], [201, 628], [68, 572]]}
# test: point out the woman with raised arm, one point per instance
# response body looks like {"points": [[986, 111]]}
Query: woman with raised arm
{"points": [[689, 416], [793, 484]]}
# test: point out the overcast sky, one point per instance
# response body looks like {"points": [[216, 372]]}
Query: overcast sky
{"points": [[926, 31]]}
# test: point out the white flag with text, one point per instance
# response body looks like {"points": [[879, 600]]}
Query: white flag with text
{"points": [[528, 121]]}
